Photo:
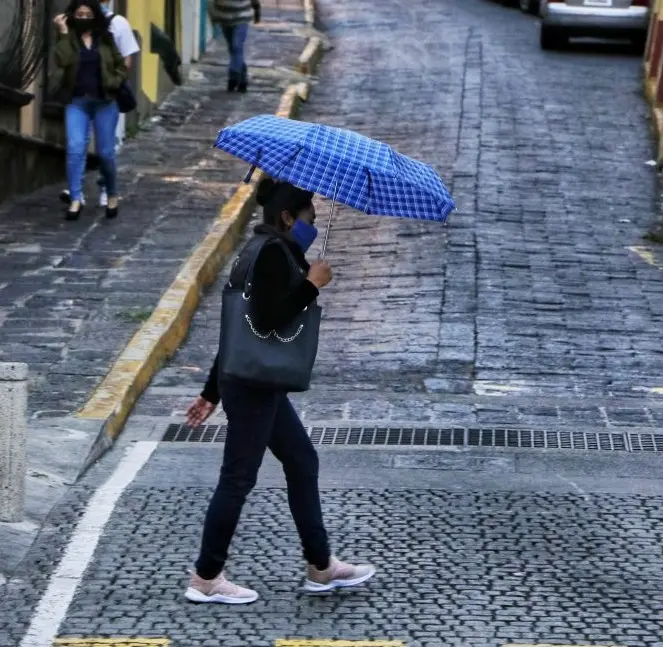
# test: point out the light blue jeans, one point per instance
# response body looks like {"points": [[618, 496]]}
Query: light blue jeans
{"points": [[103, 116], [236, 39]]}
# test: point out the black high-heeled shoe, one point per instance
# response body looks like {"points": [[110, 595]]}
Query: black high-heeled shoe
{"points": [[74, 214], [111, 212]]}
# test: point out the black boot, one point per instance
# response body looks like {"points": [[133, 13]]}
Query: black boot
{"points": [[243, 85], [233, 81]]}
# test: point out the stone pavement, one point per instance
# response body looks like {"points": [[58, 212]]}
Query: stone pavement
{"points": [[483, 550], [538, 306], [73, 294]]}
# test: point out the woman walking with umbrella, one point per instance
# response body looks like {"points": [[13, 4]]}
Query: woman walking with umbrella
{"points": [[281, 288], [270, 321]]}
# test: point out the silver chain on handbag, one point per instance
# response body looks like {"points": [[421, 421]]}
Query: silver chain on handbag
{"points": [[254, 330], [284, 340]]}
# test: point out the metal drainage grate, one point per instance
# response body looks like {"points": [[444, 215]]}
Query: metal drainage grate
{"points": [[446, 437], [645, 442]]}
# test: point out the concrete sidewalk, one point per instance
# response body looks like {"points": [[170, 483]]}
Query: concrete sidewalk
{"points": [[72, 295]]}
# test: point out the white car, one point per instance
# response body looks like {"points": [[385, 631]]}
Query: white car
{"points": [[562, 19]]}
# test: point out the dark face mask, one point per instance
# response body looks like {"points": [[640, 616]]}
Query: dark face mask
{"points": [[83, 25]]}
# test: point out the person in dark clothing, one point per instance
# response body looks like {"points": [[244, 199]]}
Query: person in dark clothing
{"points": [[92, 71], [234, 18], [261, 418]]}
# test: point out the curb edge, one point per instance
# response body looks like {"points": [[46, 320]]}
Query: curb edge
{"points": [[160, 336]]}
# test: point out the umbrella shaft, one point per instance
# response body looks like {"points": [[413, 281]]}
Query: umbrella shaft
{"points": [[324, 243], [329, 224]]}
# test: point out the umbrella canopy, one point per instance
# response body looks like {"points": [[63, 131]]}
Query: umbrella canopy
{"points": [[340, 164]]}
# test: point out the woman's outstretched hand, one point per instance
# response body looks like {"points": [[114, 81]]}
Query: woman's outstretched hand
{"points": [[199, 411]]}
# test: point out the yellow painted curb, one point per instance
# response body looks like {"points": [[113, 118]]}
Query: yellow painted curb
{"points": [[160, 336], [656, 116], [309, 12], [311, 56], [650, 89]]}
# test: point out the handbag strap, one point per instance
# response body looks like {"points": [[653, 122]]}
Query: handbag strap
{"points": [[244, 265]]}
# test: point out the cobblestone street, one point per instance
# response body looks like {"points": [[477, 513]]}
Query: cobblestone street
{"points": [[538, 306], [534, 291]]}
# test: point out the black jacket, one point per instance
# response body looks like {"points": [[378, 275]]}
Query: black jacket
{"points": [[275, 303]]}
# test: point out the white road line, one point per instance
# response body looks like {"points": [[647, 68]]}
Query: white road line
{"points": [[62, 586], [576, 487]]}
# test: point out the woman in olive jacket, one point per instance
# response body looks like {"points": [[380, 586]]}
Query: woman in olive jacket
{"points": [[92, 71]]}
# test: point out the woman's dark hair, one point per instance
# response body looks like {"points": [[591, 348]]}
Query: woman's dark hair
{"points": [[275, 197], [101, 23]]}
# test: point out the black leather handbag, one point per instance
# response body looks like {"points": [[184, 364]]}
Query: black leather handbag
{"points": [[280, 359]]}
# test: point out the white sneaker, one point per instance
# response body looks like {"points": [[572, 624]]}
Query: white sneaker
{"points": [[103, 198], [218, 590], [339, 575]]}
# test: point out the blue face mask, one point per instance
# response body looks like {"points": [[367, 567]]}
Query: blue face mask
{"points": [[303, 234], [106, 9]]}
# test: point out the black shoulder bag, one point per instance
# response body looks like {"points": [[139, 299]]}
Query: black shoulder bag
{"points": [[125, 98], [280, 359]]}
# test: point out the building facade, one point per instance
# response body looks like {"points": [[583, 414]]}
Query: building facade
{"points": [[172, 34]]}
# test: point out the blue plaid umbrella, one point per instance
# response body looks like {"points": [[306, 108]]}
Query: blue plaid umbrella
{"points": [[360, 172]]}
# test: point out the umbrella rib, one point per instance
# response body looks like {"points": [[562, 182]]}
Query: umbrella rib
{"points": [[292, 157]]}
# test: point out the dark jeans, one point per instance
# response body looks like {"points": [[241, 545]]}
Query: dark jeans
{"points": [[235, 39], [257, 419]]}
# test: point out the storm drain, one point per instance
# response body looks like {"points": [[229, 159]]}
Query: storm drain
{"points": [[448, 437]]}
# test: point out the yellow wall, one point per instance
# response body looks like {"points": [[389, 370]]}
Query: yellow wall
{"points": [[141, 13]]}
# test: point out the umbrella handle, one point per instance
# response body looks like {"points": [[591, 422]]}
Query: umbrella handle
{"points": [[329, 224]]}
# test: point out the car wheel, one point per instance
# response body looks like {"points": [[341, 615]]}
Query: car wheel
{"points": [[551, 38]]}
